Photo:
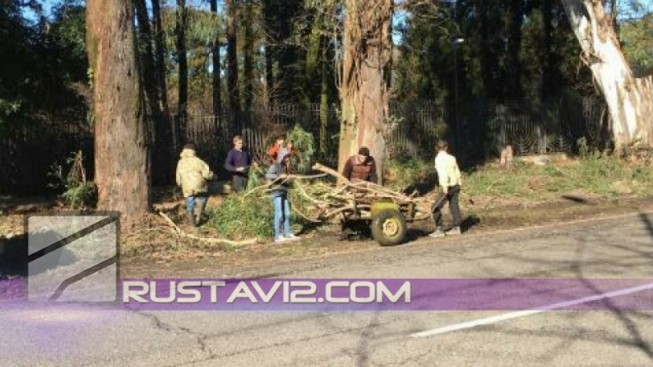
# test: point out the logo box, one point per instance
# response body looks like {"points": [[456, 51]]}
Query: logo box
{"points": [[73, 257]]}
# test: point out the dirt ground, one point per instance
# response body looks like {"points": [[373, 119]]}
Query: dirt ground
{"points": [[153, 244]]}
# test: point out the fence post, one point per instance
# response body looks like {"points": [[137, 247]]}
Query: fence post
{"points": [[538, 132]]}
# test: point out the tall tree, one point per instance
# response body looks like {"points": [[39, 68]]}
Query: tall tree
{"points": [[161, 51], [364, 95], [121, 163], [215, 58], [248, 56], [629, 99], [161, 172], [182, 59], [268, 10], [232, 59], [515, 19]]}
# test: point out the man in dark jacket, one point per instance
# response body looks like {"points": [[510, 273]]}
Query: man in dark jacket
{"points": [[238, 163], [361, 167]]}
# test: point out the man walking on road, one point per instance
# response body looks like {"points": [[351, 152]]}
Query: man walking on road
{"points": [[449, 181]]}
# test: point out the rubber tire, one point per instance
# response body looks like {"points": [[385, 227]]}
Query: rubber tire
{"points": [[377, 228]]}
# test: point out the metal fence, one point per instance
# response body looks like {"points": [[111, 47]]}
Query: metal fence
{"points": [[477, 131]]}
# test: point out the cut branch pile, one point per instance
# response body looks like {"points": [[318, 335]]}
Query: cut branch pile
{"points": [[323, 202], [319, 201]]}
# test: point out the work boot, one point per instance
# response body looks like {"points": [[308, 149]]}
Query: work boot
{"points": [[454, 231], [201, 218], [439, 233], [191, 219]]}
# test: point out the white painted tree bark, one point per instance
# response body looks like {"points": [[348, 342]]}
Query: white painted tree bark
{"points": [[629, 99]]}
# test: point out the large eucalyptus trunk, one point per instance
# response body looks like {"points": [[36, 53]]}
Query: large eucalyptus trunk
{"points": [[121, 164], [363, 85], [629, 99]]}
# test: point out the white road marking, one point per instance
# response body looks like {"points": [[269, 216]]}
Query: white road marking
{"points": [[517, 314]]}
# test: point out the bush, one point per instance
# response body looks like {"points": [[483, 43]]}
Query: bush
{"points": [[408, 174], [239, 217], [71, 179], [305, 145]]}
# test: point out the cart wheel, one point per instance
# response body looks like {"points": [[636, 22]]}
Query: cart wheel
{"points": [[389, 227]]}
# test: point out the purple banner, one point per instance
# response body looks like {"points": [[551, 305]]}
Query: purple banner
{"points": [[370, 294], [12, 290], [386, 294]]}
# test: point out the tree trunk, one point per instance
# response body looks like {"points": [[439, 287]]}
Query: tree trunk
{"points": [[159, 42], [182, 101], [217, 96], [121, 164], [550, 74], [363, 86], [248, 58], [629, 99], [166, 138], [515, 20], [269, 74], [161, 172], [269, 17], [324, 100], [232, 61]]}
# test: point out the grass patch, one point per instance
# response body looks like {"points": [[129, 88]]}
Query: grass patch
{"points": [[605, 176], [600, 175]]}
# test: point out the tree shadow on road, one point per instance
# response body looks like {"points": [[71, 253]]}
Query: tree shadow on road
{"points": [[577, 266]]}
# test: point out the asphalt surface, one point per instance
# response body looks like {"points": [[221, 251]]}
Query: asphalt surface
{"points": [[617, 247]]}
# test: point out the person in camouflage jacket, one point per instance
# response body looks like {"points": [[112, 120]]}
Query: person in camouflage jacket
{"points": [[192, 175]]}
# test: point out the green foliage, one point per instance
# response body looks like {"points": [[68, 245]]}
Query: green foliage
{"points": [[637, 41], [240, 217], [441, 129], [583, 148], [80, 196], [43, 71], [594, 174], [256, 177], [305, 144], [70, 178], [410, 173]]}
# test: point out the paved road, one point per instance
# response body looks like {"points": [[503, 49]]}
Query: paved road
{"points": [[606, 248]]}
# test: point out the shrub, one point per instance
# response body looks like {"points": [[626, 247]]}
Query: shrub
{"points": [[70, 178], [305, 145], [240, 216], [408, 174]]}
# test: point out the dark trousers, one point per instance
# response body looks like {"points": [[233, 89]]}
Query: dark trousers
{"points": [[240, 183], [452, 198]]}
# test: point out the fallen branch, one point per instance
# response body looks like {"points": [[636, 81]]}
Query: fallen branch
{"points": [[294, 208], [175, 229], [271, 183]]}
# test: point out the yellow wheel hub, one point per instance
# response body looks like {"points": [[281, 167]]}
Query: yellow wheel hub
{"points": [[391, 227]]}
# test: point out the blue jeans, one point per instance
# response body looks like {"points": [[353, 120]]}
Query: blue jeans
{"points": [[281, 214], [190, 203]]}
